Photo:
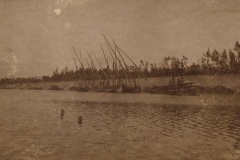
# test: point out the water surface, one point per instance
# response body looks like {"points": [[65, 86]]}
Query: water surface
{"points": [[31, 127]]}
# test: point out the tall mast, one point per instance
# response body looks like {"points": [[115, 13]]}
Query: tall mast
{"points": [[83, 68], [81, 63], [104, 56], [91, 76], [76, 55], [93, 66], [132, 62], [125, 64], [100, 67], [113, 66], [130, 77], [117, 59], [81, 60], [75, 63], [108, 68]]}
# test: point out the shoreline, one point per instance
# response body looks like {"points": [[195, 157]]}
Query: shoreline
{"points": [[227, 84], [203, 100]]}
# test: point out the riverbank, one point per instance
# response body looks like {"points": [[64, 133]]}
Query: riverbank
{"points": [[224, 84]]}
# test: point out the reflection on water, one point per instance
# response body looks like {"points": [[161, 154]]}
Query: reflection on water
{"points": [[36, 126]]}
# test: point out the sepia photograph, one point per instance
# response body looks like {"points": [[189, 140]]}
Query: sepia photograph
{"points": [[119, 80]]}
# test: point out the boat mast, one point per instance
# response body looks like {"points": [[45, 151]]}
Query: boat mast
{"points": [[81, 63], [133, 63], [75, 63], [93, 66], [108, 73], [101, 69], [113, 66], [125, 64], [117, 59], [104, 56]]}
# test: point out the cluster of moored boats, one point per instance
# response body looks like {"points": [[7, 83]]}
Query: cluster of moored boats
{"points": [[118, 76]]}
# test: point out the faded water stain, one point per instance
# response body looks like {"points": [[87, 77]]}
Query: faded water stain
{"points": [[9, 63]]}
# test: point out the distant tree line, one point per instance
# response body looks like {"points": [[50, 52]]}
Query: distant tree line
{"points": [[212, 63]]}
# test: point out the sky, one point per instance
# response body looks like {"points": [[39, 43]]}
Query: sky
{"points": [[37, 36]]}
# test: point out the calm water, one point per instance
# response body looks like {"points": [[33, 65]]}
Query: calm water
{"points": [[31, 128]]}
